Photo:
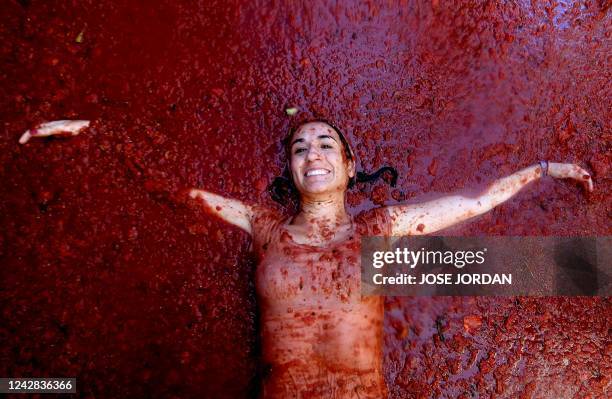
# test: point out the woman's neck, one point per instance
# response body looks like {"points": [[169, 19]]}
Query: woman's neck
{"points": [[320, 215]]}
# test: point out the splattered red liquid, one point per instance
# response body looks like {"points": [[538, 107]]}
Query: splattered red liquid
{"points": [[108, 276]]}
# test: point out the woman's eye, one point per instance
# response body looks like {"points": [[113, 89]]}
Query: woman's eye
{"points": [[299, 150], [326, 146]]}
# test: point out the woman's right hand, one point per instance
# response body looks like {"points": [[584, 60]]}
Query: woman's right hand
{"points": [[570, 171]]}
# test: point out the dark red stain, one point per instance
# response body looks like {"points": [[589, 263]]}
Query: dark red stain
{"points": [[110, 276]]}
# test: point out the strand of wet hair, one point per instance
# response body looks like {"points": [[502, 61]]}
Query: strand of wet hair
{"points": [[281, 190], [363, 177]]}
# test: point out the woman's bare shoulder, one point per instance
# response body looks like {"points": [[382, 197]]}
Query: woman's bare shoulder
{"points": [[264, 220], [373, 222]]}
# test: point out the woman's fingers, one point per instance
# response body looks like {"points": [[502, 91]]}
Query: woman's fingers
{"points": [[570, 171], [194, 193], [71, 127], [584, 176]]}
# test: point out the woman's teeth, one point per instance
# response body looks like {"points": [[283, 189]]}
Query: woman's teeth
{"points": [[316, 172]]}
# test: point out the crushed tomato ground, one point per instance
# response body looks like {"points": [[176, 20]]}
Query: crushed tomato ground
{"points": [[108, 276]]}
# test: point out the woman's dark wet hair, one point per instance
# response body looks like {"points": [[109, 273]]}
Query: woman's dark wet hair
{"points": [[282, 189]]}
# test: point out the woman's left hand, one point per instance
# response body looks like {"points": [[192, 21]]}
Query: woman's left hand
{"points": [[570, 171], [63, 127]]}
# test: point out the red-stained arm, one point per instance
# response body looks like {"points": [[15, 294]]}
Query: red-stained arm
{"points": [[431, 216], [230, 210]]}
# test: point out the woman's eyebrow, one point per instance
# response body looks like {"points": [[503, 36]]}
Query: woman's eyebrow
{"points": [[297, 141], [323, 136]]}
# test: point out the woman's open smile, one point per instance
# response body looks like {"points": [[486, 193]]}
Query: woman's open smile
{"points": [[317, 176], [316, 172]]}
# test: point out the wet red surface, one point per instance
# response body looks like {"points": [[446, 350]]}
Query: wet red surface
{"points": [[108, 277]]}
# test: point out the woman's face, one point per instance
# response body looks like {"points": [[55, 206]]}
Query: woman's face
{"points": [[318, 161]]}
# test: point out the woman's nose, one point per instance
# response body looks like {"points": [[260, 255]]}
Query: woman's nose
{"points": [[313, 154]]}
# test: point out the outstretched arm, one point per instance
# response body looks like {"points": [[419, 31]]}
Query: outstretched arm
{"points": [[230, 210], [428, 217]]}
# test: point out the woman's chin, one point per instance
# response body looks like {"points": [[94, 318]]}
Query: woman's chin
{"points": [[321, 189], [317, 189]]}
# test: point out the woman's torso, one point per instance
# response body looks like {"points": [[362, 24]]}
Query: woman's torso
{"points": [[320, 338]]}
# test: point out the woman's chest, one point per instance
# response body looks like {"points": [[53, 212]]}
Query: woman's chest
{"points": [[305, 275]]}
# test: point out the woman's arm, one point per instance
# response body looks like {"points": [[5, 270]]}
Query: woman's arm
{"points": [[428, 217], [230, 210]]}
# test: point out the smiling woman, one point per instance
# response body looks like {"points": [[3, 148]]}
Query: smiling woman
{"points": [[320, 337], [318, 161]]}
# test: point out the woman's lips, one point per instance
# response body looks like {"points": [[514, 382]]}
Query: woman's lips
{"points": [[316, 172]]}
